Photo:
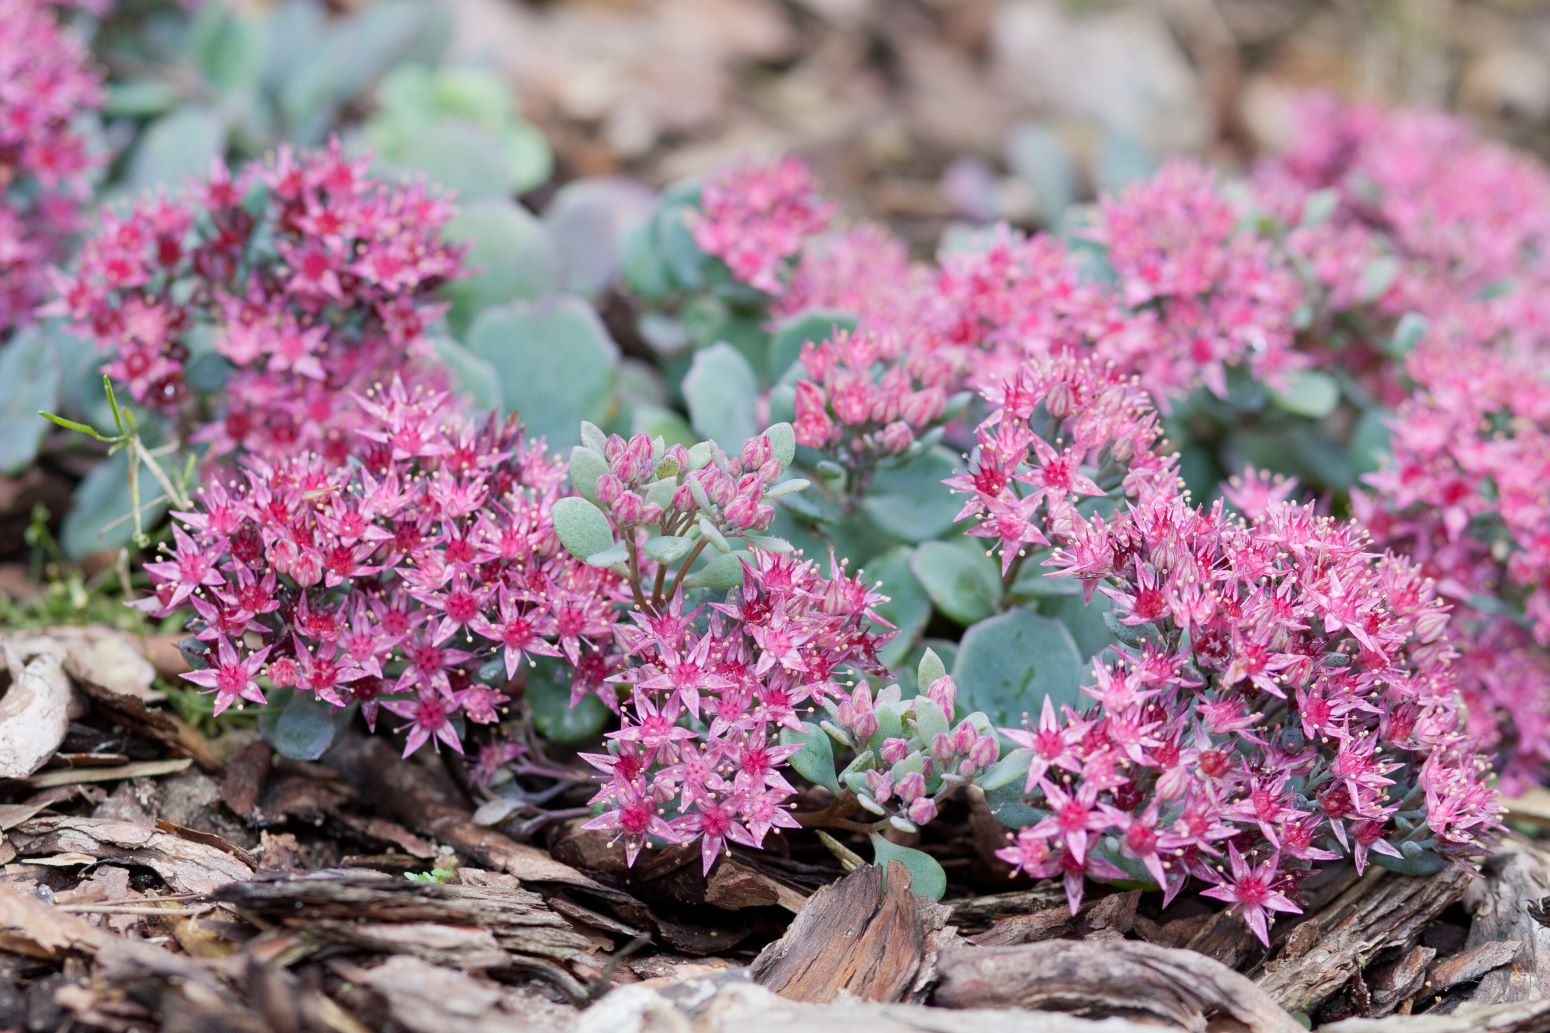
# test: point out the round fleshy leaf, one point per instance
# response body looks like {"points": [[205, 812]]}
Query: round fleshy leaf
{"points": [[815, 760], [30, 371], [1009, 664], [511, 254], [586, 468], [554, 717], [1308, 392], [721, 574], [722, 391], [301, 727], [961, 580], [589, 221], [927, 879], [907, 609], [176, 148], [581, 527], [909, 501], [471, 375], [815, 325], [555, 360]]}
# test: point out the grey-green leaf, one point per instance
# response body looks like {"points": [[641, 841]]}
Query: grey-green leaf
{"points": [[512, 256], [927, 879], [1009, 664], [582, 528], [909, 502], [815, 760], [722, 391], [30, 371], [960, 579], [555, 360]]}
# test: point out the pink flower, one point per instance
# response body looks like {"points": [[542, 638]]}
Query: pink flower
{"points": [[755, 217], [1252, 892], [232, 677]]}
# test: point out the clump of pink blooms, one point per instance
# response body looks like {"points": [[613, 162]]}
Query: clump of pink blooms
{"points": [[1288, 699], [708, 689], [418, 580], [865, 397], [1464, 226], [903, 772], [698, 755], [755, 217], [48, 89], [1194, 292], [1464, 494], [310, 277], [1212, 296]]}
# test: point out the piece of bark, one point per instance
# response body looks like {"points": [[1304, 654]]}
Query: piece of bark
{"points": [[34, 712], [1506, 1017], [727, 1004], [976, 914], [857, 937], [1471, 964], [1393, 984], [1381, 911], [30, 927], [424, 799], [184, 865], [483, 926], [137, 769], [426, 998], [1503, 903], [1125, 978], [735, 886], [1113, 915]]}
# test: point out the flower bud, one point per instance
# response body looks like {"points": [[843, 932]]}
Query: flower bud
{"points": [[894, 750], [944, 693], [942, 746], [911, 786], [922, 810], [627, 509], [756, 452], [880, 785], [895, 438], [609, 489]]}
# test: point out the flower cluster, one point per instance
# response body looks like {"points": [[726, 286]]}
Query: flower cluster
{"points": [[676, 490], [1460, 230], [908, 755], [756, 216], [48, 87], [1213, 296], [1285, 698], [698, 754], [294, 283], [1464, 495], [418, 580], [865, 397]]}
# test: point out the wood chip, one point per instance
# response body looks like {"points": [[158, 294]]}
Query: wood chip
{"points": [[81, 776], [1105, 978], [34, 712], [726, 1004], [1381, 911], [425, 801], [1509, 1017], [184, 865], [1504, 905], [854, 937]]}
